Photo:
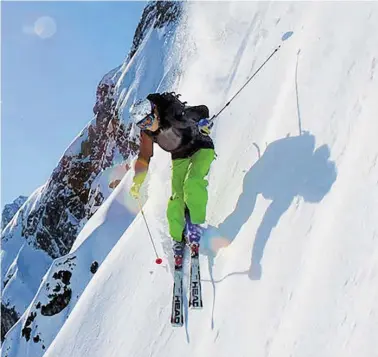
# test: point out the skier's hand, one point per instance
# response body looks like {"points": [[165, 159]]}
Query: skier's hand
{"points": [[134, 190], [204, 126], [137, 183]]}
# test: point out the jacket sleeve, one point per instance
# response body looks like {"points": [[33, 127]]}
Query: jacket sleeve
{"points": [[145, 153]]}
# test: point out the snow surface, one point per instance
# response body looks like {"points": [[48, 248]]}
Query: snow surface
{"points": [[290, 258]]}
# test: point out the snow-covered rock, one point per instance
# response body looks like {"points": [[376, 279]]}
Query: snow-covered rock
{"points": [[11, 209]]}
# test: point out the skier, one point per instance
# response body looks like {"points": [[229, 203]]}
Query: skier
{"points": [[184, 132]]}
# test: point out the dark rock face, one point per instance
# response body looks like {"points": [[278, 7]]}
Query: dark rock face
{"points": [[61, 294], [9, 317], [26, 331], [67, 199]]}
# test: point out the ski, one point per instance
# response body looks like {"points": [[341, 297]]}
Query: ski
{"points": [[177, 315], [195, 291]]}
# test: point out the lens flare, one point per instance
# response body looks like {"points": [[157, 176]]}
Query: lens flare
{"points": [[45, 27], [218, 243]]}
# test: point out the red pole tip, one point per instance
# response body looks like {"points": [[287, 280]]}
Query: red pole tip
{"points": [[158, 260]]}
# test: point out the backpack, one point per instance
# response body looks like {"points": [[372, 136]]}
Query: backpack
{"points": [[195, 113]]}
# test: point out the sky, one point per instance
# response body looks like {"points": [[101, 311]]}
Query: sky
{"points": [[53, 54]]}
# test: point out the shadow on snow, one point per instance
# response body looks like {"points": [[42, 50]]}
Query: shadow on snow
{"points": [[289, 168]]}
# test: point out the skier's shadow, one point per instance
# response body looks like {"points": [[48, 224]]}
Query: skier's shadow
{"points": [[289, 168]]}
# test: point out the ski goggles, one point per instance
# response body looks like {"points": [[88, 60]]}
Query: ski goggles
{"points": [[146, 122]]}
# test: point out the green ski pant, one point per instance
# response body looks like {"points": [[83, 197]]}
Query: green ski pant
{"points": [[189, 189]]}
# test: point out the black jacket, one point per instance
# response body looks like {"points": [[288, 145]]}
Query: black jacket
{"points": [[178, 132]]}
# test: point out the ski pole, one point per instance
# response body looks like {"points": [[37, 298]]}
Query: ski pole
{"points": [[284, 38], [158, 260]]}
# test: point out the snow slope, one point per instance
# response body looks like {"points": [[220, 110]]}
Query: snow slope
{"points": [[290, 259]]}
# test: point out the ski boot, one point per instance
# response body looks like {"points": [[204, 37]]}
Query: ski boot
{"points": [[178, 253], [193, 234]]}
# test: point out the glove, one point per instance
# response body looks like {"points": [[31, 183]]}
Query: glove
{"points": [[134, 191], [137, 183], [204, 126]]}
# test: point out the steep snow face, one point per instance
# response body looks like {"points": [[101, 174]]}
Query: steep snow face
{"points": [[289, 261], [11, 209], [86, 176], [67, 278]]}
